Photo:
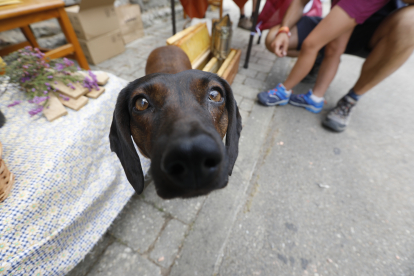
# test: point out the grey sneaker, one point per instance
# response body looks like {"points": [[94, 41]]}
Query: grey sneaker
{"points": [[245, 23], [338, 118]]}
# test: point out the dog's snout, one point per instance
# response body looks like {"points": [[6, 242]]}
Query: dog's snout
{"points": [[192, 162]]}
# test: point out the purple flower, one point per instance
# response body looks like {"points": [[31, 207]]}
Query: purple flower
{"points": [[25, 66], [47, 84], [91, 83], [38, 100], [64, 97], [55, 82], [14, 103], [45, 92], [67, 62], [50, 77], [59, 67], [34, 89], [36, 111]]}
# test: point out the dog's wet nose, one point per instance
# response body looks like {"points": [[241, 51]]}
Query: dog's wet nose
{"points": [[192, 162]]}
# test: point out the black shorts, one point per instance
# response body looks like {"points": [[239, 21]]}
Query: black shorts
{"points": [[358, 43]]}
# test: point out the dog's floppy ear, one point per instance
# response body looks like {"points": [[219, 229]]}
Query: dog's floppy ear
{"points": [[234, 127], [121, 142]]}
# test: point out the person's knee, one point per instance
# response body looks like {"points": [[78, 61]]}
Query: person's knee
{"points": [[402, 31], [270, 37], [310, 45], [333, 50]]}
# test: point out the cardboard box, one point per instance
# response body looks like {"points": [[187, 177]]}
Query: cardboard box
{"points": [[103, 47], [130, 22], [93, 18]]}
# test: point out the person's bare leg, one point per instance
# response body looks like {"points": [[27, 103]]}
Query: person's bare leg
{"points": [[392, 44], [241, 11], [330, 63], [336, 23], [293, 40]]}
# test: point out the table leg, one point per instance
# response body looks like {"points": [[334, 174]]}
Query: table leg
{"points": [[71, 38], [28, 33]]}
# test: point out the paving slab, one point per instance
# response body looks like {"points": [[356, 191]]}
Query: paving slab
{"points": [[138, 225], [121, 260], [169, 243], [93, 256], [184, 210]]}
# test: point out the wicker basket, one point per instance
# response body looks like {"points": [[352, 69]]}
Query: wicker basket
{"points": [[6, 178]]}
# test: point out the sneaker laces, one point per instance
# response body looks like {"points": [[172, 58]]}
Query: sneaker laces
{"points": [[343, 108]]}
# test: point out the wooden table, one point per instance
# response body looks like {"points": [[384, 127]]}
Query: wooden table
{"points": [[32, 11]]}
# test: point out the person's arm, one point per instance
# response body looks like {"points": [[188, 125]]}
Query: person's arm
{"points": [[293, 14]]}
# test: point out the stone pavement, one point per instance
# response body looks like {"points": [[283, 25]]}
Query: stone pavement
{"points": [[301, 201]]}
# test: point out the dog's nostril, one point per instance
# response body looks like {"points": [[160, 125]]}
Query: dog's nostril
{"points": [[211, 162], [176, 169]]}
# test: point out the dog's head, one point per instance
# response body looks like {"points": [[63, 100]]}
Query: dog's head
{"points": [[178, 121]]}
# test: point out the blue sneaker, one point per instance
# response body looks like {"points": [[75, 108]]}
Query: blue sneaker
{"points": [[277, 96], [304, 100]]}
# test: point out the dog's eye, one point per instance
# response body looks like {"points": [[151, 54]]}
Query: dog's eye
{"points": [[141, 104], [214, 96]]}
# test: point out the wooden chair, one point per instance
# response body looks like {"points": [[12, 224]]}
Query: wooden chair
{"points": [[31, 11]]}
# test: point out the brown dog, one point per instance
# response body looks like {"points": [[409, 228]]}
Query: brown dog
{"points": [[178, 118]]}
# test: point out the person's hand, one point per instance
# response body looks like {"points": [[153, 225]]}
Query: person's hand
{"points": [[280, 44]]}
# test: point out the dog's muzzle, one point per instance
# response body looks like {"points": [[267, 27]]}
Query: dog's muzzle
{"points": [[192, 162]]}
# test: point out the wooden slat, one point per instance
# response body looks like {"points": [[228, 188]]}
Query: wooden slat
{"points": [[212, 66], [196, 42], [201, 60], [74, 104], [226, 63], [231, 70], [94, 94], [54, 109], [61, 51], [172, 40], [10, 49], [24, 20]]}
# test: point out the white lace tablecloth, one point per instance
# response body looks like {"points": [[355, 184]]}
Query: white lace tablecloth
{"points": [[69, 186]]}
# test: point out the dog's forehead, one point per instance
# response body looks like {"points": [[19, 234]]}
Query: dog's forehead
{"points": [[193, 81]]}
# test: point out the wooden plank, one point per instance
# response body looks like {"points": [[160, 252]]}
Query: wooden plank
{"points": [[54, 109], [196, 42], [226, 63], [27, 19], [10, 49], [201, 60], [101, 77], [212, 66], [231, 70], [61, 51], [67, 91], [175, 38], [94, 94], [74, 104]]}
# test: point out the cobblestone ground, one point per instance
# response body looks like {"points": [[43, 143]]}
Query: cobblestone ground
{"points": [[147, 236]]}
